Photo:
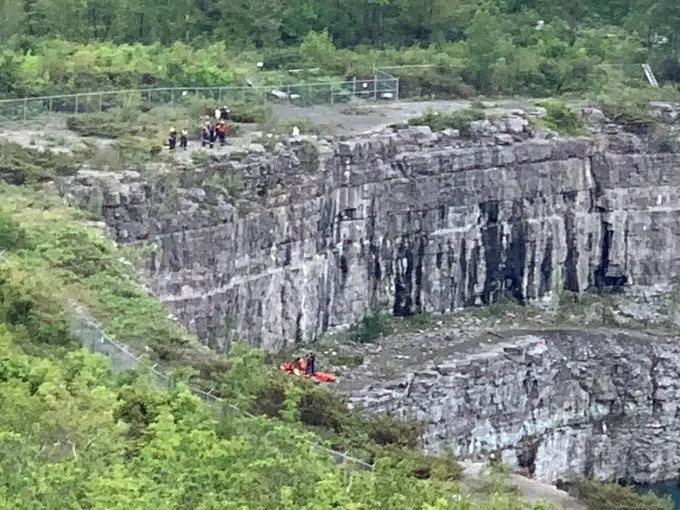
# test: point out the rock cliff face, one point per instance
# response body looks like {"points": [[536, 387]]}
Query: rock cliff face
{"points": [[599, 403], [412, 220]]}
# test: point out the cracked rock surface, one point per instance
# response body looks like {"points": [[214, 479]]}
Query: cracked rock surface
{"points": [[600, 402], [319, 231]]}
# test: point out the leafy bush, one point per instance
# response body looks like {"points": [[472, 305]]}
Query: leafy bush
{"points": [[248, 113], [371, 327], [562, 118], [285, 126], [598, 495], [457, 119], [111, 125], [12, 235], [22, 165], [628, 106]]}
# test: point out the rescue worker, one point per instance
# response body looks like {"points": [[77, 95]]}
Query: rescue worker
{"points": [[299, 366], [309, 368], [221, 131], [172, 139], [224, 112], [208, 135], [183, 140]]}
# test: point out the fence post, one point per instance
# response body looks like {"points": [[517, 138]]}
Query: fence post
{"points": [[76, 107], [396, 89], [220, 96], [288, 93], [332, 98], [375, 87], [172, 96], [50, 112], [354, 86], [25, 109], [101, 102]]}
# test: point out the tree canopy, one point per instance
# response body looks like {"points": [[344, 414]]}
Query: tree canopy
{"points": [[530, 47]]}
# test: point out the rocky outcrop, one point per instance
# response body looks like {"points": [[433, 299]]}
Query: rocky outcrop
{"points": [[285, 244], [600, 403]]}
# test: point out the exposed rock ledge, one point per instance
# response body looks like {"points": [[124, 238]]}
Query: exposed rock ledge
{"points": [[415, 220], [601, 403]]}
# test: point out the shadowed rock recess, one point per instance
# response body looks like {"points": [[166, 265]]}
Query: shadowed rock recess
{"points": [[411, 220], [554, 402], [281, 245]]}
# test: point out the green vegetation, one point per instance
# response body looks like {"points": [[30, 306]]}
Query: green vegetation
{"points": [[560, 117], [79, 435], [371, 327], [604, 496], [72, 434], [19, 165], [457, 119], [75, 435], [535, 48]]}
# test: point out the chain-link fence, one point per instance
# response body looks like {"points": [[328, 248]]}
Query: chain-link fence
{"points": [[91, 335], [381, 87]]}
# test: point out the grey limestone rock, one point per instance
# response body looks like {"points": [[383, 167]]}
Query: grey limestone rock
{"points": [[600, 403], [665, 112], [291, 243]]}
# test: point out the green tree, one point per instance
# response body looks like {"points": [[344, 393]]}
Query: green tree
{"points": [[484, 39]]}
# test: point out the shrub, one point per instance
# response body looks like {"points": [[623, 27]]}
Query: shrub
{"points": [[598, 495], [248, 113], [423, 466], [457, 119], [562, 118], [12, 235], [371, 327], [112, 124], [23, 165], [285, 126]]}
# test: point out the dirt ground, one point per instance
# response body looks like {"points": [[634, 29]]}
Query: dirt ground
{"points": [[531, 490], [347, 119]]}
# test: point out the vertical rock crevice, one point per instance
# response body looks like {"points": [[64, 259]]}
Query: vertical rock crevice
{"points": [[433, 223]]}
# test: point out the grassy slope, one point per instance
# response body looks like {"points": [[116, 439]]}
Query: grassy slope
{"points": [[52, 253]]}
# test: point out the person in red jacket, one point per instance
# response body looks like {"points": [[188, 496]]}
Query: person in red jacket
{"points": [[221, 131]]}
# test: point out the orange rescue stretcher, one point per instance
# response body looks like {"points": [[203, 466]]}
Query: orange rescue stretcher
{"points": [[299, 370]]}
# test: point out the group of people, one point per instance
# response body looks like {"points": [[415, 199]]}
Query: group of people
{"points": [[183, 139], [210, 132], [301, 365]]}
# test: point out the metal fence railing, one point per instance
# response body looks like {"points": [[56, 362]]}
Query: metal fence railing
{"points": [[91, 335], [381, 86]]}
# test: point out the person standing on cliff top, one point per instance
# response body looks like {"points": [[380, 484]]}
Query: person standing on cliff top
{"points": [[208, 135], [172, 139]]}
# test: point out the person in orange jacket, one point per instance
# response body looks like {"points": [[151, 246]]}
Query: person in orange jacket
{"points": [[299, 366], [221, 132]]}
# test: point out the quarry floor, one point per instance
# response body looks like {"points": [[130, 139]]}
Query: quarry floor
{"points": [[425, 339]]}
